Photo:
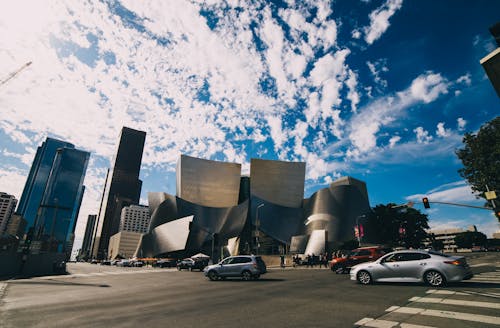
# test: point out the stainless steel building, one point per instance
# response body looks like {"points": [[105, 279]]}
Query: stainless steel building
{"points": [[208, 183], [264, 213]]}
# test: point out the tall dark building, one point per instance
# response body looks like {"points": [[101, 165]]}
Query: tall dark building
{"points": [[123, 187], [53, 194], [87, 237]]}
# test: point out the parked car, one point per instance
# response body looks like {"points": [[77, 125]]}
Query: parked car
{"points": [[358, 255], [136, 263], [165, 263], [245, 266], [106, 262], [192, 264], [433, 268], [123, 263]]}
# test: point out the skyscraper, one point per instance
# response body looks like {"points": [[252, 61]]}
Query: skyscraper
{"points": [[135, 218], [7, 205], [123, 187], [53, 193], [87, 237]]}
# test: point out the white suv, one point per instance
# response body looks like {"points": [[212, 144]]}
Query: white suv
{"points": [[245, 266]]}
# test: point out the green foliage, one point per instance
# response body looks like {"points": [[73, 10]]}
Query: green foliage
{"points": [[470, 238], [396, 226], [481, 158]]}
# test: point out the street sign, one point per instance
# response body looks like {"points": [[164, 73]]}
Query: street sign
{"points": [[490, 195]]}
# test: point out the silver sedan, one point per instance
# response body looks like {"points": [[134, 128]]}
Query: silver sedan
{"points": [[433, 268]]}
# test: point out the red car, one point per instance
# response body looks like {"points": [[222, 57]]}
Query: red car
{"points": [[358, 255]]}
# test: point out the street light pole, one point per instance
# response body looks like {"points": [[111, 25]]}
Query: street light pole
{"points": [[257, 224]]}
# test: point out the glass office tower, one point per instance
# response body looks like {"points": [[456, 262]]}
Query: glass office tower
{"points": [[53, 193], [123, 188]]}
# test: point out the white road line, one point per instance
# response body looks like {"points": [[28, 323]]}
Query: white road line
{"points": [[448, 314], [377, 323], [446, 292], [435, 300], [369, 322]]}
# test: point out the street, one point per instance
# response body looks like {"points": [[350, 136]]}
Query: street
{"points": [[106, 296]]}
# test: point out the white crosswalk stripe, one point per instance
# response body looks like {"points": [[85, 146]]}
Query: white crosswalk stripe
{"points": [[486, 277], [462, 308]]}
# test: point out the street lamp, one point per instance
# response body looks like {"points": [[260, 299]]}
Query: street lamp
{"points": [[257, 224]]}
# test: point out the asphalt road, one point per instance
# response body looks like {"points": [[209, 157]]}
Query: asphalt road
{"points": [[103, 296]]}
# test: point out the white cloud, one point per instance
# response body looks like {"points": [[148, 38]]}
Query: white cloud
{"points": [[422, 135], [365, 125], [441, 131], [465, 79], [393, 141], [379, 20], [461, 123], [428, 87]]}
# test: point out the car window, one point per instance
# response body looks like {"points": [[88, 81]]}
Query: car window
{"points": [[411, 256], [228, 260], [438, 253]]}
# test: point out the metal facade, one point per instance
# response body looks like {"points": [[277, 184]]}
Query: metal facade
{"points": [[208, 183]]}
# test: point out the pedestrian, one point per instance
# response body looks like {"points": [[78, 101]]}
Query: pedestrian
{"points": [[282, 261], [309, 260]]}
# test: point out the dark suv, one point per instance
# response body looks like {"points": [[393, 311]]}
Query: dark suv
{"points": [[358, 255], [245, 266]]}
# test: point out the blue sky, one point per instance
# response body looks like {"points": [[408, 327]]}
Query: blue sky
{"points": [[379, 90]]}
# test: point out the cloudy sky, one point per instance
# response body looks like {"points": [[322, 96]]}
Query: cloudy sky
{"points": [[379, 90]]}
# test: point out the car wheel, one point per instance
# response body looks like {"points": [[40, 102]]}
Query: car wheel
{"points": [[246, 275], [364, 277], [212, 275], [434, 278], [256, 276], [190, 269]]}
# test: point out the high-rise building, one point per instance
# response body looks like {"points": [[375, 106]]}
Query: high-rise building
{"points": [[135, 218], [491, 62], [123, 188], [87, 237], [53, 193], [7, 205], [33, 191]]}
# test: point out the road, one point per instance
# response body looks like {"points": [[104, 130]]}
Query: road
{"points": [[104, 296]]}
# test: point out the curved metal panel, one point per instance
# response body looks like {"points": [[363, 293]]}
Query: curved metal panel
{"points": [[166, 238], [164, 211], [317, 242], [335, 209], [208, 183], [278, 222], [278, 182]]}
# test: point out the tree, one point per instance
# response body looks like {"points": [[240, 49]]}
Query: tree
{"points": [[470, 238], [396, 226], [481, 158]]}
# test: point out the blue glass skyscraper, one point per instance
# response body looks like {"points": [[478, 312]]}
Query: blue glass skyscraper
{"points": [[53, 193]]}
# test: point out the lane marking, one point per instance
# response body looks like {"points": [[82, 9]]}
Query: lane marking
{"points": [[446, 292], [449, 315], [378, 323], [448, 301], [369, 322]]}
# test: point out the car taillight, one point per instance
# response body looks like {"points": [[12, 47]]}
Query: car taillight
{"points": [[456, 262]]}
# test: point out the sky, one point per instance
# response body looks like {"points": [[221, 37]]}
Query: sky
{"points": [[380, 90]]}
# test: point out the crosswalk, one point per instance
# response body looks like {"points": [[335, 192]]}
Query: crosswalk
{"points": [[446, 308]]}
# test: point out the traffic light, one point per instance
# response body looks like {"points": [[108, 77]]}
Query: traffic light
{"points": [[425, 200], [215, 237]]}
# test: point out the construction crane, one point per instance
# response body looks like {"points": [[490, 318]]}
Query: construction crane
{"points": [[13, 74]]}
